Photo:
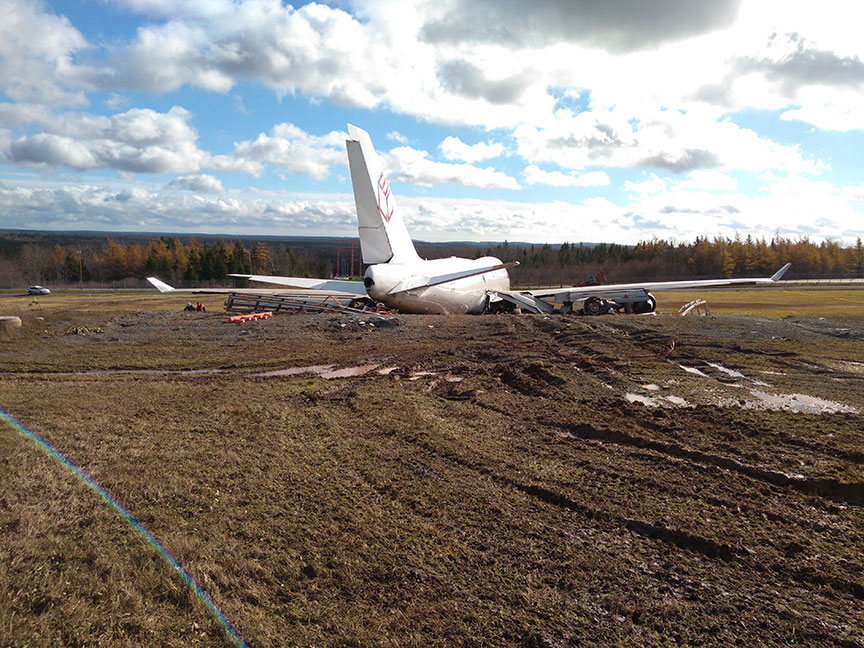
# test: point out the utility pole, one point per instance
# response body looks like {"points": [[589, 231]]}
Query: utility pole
{"points": [[80, 271]]}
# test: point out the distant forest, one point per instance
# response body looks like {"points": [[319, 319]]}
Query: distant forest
{"points": [[124, 260]]}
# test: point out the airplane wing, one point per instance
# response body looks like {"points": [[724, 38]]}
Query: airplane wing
{"points": [[350, 287], [537, 300], [657, 285], [318, 287]]}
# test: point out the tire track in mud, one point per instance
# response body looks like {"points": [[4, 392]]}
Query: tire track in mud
{"points": [[681, 539], [835, 490], [653, 485], [805, 575], [855, 457], [533, 379], [707, 547], [585, 343], [707, 415], [528, 380]]}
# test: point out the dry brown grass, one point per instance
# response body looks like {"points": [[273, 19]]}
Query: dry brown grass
{"points": [[770, 301], [541, 509]]}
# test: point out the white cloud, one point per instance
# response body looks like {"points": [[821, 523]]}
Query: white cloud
{"points": [[454, 148], [616, 25], [829, 109], [119, 207], [577, 88], [15, 114], [293, 150], [410, 165], [665, 139], [201, 183], [494, 72], [794, 207], [53, 150], [116, 101], [138, 141], [396, 136], [855, 193], [314, 50], [536, 175], [35, 54], [710, 181], [652, 185], [146, 141]]}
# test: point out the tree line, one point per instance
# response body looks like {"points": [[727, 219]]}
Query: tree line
{"points": [[658, 259], [168, 258], [195, 262]]}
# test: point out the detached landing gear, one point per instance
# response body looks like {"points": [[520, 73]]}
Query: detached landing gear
{"points": [[595, 306], [627, 303]]}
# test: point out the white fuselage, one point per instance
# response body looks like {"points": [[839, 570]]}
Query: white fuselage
{"points": [[467, 295]]}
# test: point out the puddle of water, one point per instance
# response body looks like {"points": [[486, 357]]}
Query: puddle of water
{"points": [[737, 374], [694, 371], [728, 372], [801, 403], [386, 371], [294, 371], [417, 375], [659, 401], [349, 371], [325, 371], [677, 400], [639, 398]]}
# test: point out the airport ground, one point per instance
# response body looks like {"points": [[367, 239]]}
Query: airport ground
{"points": [[535, 481]]}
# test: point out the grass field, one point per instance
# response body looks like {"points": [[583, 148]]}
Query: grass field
{"points": [[499, 485], [770, 301]]}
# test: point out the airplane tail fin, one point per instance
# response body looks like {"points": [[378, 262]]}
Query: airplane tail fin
{"points": [[383, 235]]}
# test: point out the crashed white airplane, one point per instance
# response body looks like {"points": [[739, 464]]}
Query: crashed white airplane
{"points": [[398, 278]]}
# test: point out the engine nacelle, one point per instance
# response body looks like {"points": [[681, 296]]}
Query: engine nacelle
{"points": [[647, 306]]}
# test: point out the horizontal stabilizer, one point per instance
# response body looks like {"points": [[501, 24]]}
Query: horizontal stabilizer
{"points": [[412, 283], [353, 287], [161, 286]]}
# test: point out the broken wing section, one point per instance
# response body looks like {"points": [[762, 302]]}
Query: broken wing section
{"points": [[540, 300], [648, 286], [351, 287]]}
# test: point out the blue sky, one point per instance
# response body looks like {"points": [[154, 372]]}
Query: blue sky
{"points": [[565, 120]]}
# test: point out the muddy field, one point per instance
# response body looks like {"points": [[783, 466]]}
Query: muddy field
{"points": [[421, 481]]}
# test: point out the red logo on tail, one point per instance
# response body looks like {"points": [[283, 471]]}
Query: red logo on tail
{"points": [[384, 206]]}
